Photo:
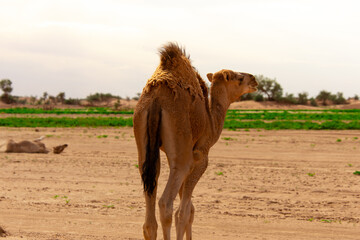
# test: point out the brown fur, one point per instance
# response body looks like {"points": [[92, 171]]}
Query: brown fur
{"points": [[59, 149], [174, 114], [174, 71], [26, 147]]}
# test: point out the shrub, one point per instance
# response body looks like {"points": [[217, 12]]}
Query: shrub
{"points": [[288, 99], [100, 97], [313, 102], [259, 98], [302, 98], [72, 101]]}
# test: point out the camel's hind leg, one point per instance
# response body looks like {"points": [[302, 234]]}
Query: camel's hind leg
{"points": [[140, 131], [186, 211], [177, 144], [150, 226]]}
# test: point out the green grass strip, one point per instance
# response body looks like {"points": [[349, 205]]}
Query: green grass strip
{"points": [[97, 110], [120, 122], [67, 122], [295, 125]]}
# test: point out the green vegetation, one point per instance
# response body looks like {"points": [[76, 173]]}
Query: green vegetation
{"points": [[235, 119], [87, 111], [109, 206], [326, 220], [66, 122], [102, 136], [219, 173], [311, 174], [357, 173], [295, 125], [229, 139], [314, 115]]}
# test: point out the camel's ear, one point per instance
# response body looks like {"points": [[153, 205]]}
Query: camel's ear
{"points": [[210, 76], [226, 75]]}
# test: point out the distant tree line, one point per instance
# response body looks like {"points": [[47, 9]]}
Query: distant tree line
{"points": [[49, 101], [268, 90]]}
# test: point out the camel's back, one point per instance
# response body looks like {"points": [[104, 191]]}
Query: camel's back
{"points": [[175, 72]]}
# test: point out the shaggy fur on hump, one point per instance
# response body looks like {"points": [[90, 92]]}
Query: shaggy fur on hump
{"points": [[175, 71]]}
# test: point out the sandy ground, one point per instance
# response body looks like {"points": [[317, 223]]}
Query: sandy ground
{"points": [[259, 185]]}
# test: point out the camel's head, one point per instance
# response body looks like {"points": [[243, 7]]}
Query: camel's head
{"points": [[237, 83]]}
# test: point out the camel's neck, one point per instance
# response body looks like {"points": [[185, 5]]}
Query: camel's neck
{"points": [[219, 103]]}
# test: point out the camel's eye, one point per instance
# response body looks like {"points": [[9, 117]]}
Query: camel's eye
{"points": [[241, 79]]}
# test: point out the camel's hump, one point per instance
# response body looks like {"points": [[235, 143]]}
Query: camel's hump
{"points": [[175, 71], [171, 54]]}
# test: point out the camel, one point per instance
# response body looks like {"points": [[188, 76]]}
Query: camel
{"points": [[175, 115], [25, 147], [35, 146]]}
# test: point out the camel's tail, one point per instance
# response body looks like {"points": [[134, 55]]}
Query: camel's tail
{"points": [[171, 56], [152, 159]]}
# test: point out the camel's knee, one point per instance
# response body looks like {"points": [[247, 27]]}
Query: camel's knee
{"points": [[150, 230], [185, 214], [166, 210]]}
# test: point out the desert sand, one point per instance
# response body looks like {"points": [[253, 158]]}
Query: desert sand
{"points": [[259, 185]]}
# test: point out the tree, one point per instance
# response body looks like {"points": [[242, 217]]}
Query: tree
{"points": [[60, 97], [338, 98], [303, 98], [270, 88], [323, 96], [45, 96], [5, 86]]}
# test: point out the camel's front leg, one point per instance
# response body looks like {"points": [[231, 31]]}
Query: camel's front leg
{"points": [[186, 211]]}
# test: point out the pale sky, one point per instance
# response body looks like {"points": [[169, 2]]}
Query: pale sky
{"points": [[82, 46]]}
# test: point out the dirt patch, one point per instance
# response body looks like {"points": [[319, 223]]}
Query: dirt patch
{"points": [[258, 185]]}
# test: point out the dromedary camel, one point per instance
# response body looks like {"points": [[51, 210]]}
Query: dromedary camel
{"points": [[35, 146], [174, 114], [26, 147]]}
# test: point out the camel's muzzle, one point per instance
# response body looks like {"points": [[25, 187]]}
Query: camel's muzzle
{"points": [[253, 83]]}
